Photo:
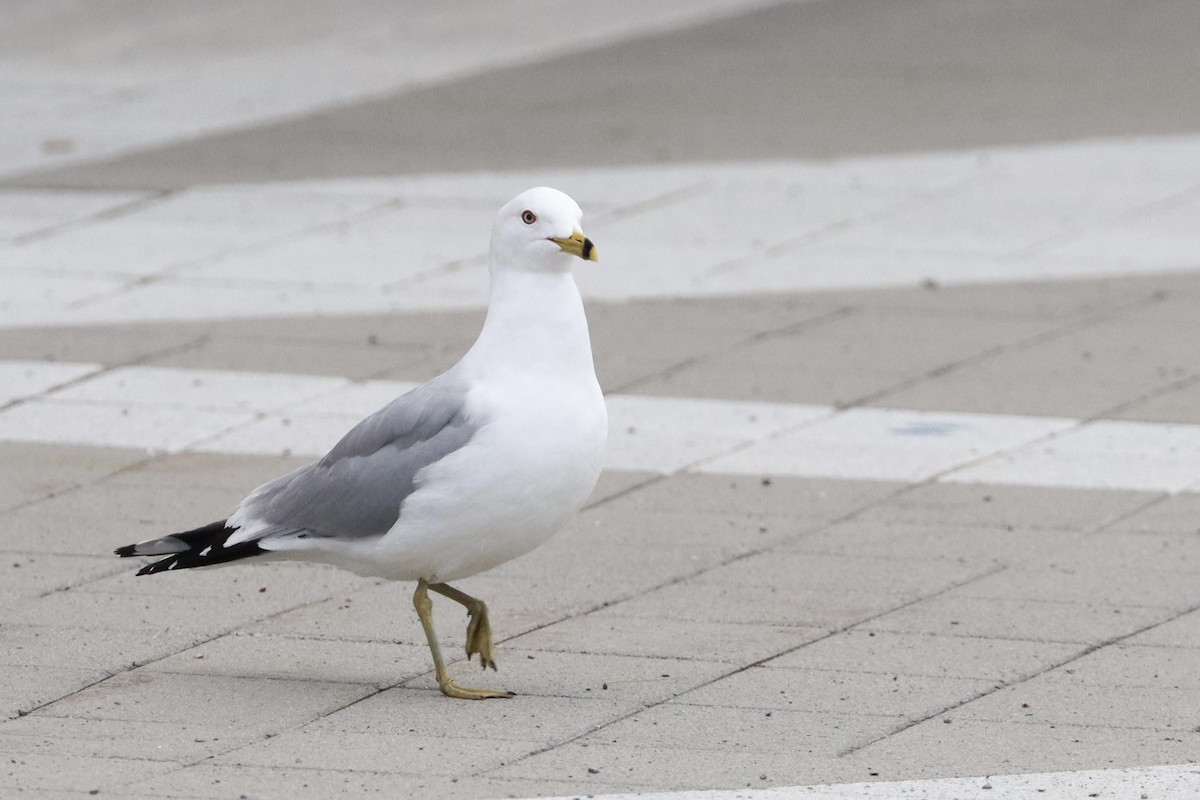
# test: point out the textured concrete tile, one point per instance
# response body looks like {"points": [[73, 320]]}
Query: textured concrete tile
{"points": [[1130, 665], [22, 379], [178, 473], [529, 718], [684, 329], [252, 704], [809, 498], [584, 554], [615, 482], [1142, 555], [106, 649], [1177, 404], [375, 664], [616, 525], [838, 692], [283, 434], [684, 769], [1149, 781], [357, 360], [107, 345], [1179, 631], [1111, 584], [649, 434], [23, 688], [134, 427], [623, 679], [95, 519], [999, 506], [975, 216], [379, 613], [29, 211], [874, 538], [35, 574], [1179, 513], [1079, 374], [958, 615], [1099, 455], [608, 632], [1166, 710], [809, 590], [1033, 299], [367, 246], [109, 738], [37, 771], [722, 730], [288, 581], [379, 752], [198, 389], [886, 444], [1159, 236], [969, 747], [31, 471], [217, 781], [931, 655], [842, 359], [194, 614]]}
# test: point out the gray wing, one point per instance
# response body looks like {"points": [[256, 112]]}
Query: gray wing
{"points": [[357, 489]]}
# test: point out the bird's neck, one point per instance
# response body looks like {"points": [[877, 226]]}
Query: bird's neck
{"points": [[535, 324]]}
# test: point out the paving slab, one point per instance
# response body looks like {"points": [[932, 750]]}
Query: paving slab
{"points": [[678, 726], [873, 538], [586, 764], [743, 603], [179, 742], [928, 655], [77, 774], [995, 748], [30, 472], [1061, 622], [1000, 506], [783, 588], [608, 631]]}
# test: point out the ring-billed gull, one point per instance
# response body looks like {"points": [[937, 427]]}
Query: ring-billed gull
{"points": [[478, 466]]}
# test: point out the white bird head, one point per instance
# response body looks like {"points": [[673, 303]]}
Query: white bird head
{"points": [[538, 230]]}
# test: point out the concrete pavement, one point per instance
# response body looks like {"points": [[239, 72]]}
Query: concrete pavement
{"points": [[896, 315]]}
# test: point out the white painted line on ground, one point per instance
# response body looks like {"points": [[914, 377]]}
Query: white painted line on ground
{"points": [[199, 389], [1152, 783], [1052, 212], [887, 444], [171, 409], [1101, 455], [23, 379]]}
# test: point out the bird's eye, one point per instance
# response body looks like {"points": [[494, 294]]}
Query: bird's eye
{"points": [[528, 217]]}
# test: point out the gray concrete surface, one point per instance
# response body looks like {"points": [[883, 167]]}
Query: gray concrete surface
{"points": [[689, 630]]}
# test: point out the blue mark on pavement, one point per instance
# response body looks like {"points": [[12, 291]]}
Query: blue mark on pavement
{"points": [[927, 429]]}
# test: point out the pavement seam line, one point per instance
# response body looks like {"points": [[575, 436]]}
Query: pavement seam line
{"points": [[147, 198], [1087, 650], [736, 345], [790, 245], [744, 668], [103, 370], [1082, 322]]}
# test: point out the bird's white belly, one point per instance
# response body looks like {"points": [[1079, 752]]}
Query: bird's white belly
{"points": [[514, 485]]}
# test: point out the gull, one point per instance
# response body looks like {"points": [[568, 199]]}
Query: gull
{"points": [[476, 467]]}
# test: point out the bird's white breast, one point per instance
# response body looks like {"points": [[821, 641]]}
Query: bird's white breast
{"points": [[533, 462]]}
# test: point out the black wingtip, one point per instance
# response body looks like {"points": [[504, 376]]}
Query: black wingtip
{"points": [[125, 552], [157, 566]]}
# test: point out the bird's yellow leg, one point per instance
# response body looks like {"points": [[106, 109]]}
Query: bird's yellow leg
{"points": [[479, 630], [424, 607]]}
